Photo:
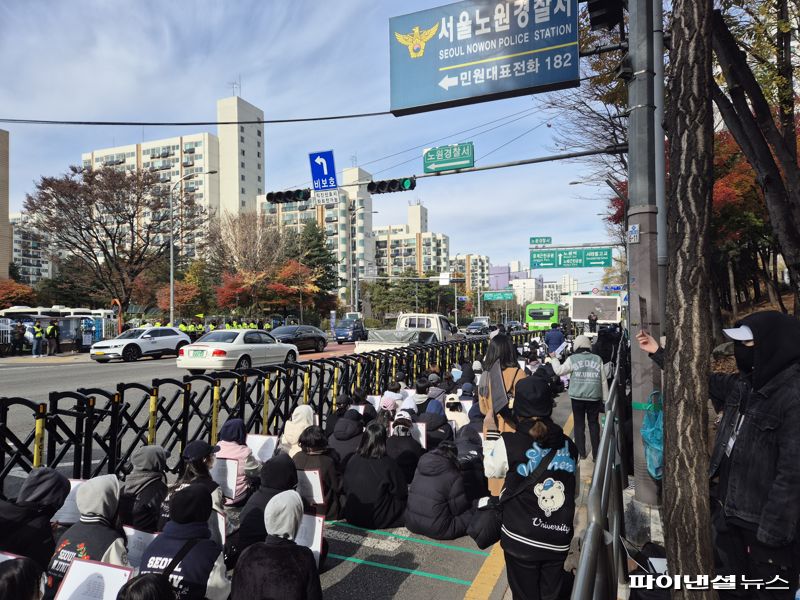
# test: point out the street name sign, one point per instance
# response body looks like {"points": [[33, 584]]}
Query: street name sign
{"points": [[489, 296], [447, 158], [571, 258], [479, 50], [539, 241]]}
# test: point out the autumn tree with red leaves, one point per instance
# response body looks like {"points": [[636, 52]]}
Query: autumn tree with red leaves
{"points": [[15, 294], [186, 295]]}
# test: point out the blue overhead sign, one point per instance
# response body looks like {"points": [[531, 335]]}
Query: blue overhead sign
{"points": [[478, 50], [323, 171]]}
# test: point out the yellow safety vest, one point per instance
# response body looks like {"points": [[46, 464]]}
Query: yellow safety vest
{"points": [[37, 332]]}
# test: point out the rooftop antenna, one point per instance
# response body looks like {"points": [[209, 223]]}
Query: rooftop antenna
{"points": [[236, 85], [354, 160]]}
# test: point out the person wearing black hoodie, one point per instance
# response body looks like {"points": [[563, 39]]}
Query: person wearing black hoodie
{"points": [[476, 418], [437, 504], [374, 486], [343, 404], [537, 526], [201, 572], [360, 399], [346, 436], [470, 462], [467, 376], [25, 524], [316, 455], [145, 488], [404, 449], [754, 470], [437, 429]]}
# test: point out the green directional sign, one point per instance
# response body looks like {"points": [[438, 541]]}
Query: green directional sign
{"points": [[538, 241], [571, 258], [448, 158], [543, 259], [489, 296]]}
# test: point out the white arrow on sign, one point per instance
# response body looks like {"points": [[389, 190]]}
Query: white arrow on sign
{"points": [[447, 82], [454, 163], [324, 163]]}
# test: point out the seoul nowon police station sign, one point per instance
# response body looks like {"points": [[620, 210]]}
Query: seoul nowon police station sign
{"points": [[478, 50]]}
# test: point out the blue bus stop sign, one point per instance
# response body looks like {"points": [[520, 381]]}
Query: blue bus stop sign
{"points": [[323, 171], [478, 50]]}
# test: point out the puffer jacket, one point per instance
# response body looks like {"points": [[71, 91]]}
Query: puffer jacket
{"points": [[437, 505], [437, 429], [346, 437]]}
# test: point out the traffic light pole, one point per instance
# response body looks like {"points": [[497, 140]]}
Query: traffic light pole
{"points": [[642, 212]]}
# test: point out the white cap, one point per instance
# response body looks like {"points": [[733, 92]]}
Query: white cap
{"points": [[739, 334]]}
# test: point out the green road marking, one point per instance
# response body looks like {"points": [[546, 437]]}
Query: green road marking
{"points": [[370, 563], [410, 539]]}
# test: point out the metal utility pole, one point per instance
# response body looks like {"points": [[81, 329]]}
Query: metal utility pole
{"points": [[455, 305], [642, 212], [658, 124]]}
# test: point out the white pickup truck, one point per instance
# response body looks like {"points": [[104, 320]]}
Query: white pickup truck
{"points": [[412, 328]]}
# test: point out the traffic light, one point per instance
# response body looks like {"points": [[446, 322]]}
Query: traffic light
{"points": [[604, 14], [288, 196], [388, 186]]}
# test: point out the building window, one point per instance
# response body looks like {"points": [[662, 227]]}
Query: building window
{"points": [[258, 144], [243, 165], [259, 154], [260, 191], [244, 203], [259, 178], [259, 164], [242, 152], [241, 138], [258, 132], [243, 190], [241, 128], [242, 177]]}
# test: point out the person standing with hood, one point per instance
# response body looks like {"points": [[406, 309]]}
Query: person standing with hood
{"points": [[437, 504], [97, 536], [302, 418], [588, 391], [346, 436], [25, 527], [185, 553], [144, 489], [754, 470], [374, 486], [278, 567], [233, 446], [538, 514]]}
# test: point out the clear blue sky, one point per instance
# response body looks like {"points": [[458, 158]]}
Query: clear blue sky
{"points": [[162, 61]]}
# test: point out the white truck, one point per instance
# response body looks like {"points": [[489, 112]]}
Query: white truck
{"points": [[411, 328]]}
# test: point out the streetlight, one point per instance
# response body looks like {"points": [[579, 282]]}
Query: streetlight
{"points": [[354, 279], [172, 242]]}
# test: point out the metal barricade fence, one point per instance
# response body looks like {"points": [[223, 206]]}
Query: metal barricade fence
{"points": [[100, 429], [602, 566]]}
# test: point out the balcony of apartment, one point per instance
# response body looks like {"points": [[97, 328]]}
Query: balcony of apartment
{"points": [[189, 150], [188, 162], [331, 219], [165, 153], [330, 232]]}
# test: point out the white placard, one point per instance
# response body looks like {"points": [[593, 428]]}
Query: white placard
{"points": [[375, 401], [91, 580], [522, 364], [138, 541], [224, 473], [222, 525], [359, 408], [310, 534], [69, 513], [418, 432], [560, 349], [309, 486], [263, 446], [466, 405], [408, 392], [4, 556]]}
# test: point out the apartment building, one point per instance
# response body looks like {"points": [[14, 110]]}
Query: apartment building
{"points": [[5, 227], [30, 252], [475, 268], [400, 248]]}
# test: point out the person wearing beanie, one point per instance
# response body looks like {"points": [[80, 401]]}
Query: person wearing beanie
{"points": [[97, 536], [436, 390], [278, 567], [437, 505], [588, 391], [302, 417], [144, 489], [25, 524], [537, 526], [404, 449], [437, 429], [277, 475], [454, 411], [468, 392], [316, 455], [199, 571], [347, 436], [198, 458], [233, 446]]}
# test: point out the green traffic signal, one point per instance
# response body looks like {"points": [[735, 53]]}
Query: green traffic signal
{"points": [[392, 185]]}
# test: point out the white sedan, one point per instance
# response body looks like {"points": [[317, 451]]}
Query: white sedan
{"points": [[226, 349]]}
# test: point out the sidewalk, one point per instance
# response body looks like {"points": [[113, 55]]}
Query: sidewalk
{"points": [[59, 359]]}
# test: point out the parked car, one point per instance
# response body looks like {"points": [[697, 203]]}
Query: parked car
{"points": [[131, 345], [305, 337], [225, 349], [478, 328], [350, 330], [514, 326]]}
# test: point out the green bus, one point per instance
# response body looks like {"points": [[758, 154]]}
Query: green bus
{"points": [[539, 316]]}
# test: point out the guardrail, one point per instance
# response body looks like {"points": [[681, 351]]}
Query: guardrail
{"points": [[602, 566], [98, 430]]}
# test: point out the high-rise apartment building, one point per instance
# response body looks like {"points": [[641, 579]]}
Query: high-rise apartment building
{"points": [[241, 155], [400, 248], [530, 289], [31, 253], [552, 291], [569, 285], [475, 268], [5, 228]]}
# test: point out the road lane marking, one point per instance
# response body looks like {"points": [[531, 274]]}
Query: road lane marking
{"points": [[487, 577], [363, 541], [378, 565], [425, 542]]}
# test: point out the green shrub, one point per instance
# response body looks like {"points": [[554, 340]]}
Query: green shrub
{"points": [[371, 323]]}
